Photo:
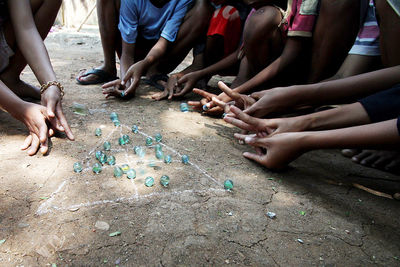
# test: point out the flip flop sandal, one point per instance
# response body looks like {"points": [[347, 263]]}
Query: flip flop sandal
{"points": [[153, 81], [102, 77]]}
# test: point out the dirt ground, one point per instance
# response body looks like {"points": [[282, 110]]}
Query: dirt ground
{"points": [[51, 215]]}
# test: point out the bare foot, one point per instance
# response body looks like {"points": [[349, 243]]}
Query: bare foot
{"points": [[21, 88], [379, 159]]}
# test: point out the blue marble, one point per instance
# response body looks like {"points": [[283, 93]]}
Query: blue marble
{"points": [[149, 181], [125, 168], [184, 107], [103, 159], [149, 141], [158, 137], [135, 129], [131, 174], [118, 172], [228, 185], [98, 132], [97, 168], [185, 159], [164, 180], [111, 160], [167, 159], [107, 146], [126, 138], [159, 154], [77, 167]]}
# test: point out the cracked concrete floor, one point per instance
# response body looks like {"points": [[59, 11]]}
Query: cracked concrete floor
{"points": [[193, 222]]}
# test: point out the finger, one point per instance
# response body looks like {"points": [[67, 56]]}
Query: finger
{"points": [[203, 93], [232, 94], [238, 123], [132, 87], [255, 157], [245, 117], [240, 136], [44, 147], [219, 103], [27, 142], [170, 92], [182, 80], [51, 132], [64, 123], [195, 105], [34, 145], [215, 111], [55, 123], [114, 83], [257, 95], [51, 106], [184, 91], [256, 141]]}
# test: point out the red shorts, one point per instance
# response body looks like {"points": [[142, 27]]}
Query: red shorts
{"points": [[226, 22]]}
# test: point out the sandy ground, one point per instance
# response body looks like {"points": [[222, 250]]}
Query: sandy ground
{"points": [[51, 215]]}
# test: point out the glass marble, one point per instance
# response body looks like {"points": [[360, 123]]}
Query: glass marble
{"points": [[126, 138], [118, 172], [113, 116], [164, 180], [125, 168], [111, 160], [167, 159], [149, 141], [159, 154], [135, 129], [98, 154], [97, 132], [121, 141], [97, 168], [205, 108], [131, 174], [228, 184], [185, 159], [151, 163], [137, 149], [77, 167], [149, 181], [158, 147], [107, 146], [117, 123], [184, 107], [158, 137], [103, 159]]}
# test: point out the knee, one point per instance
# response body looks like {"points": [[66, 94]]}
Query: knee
{"points": [[260, 26]]}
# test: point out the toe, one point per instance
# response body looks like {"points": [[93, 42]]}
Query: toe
{"points": [[348, 153]]}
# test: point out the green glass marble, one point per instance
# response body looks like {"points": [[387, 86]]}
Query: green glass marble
{"points": [[118, 172], [167, 159], [149, 141], [137, 149], [113, 116], [98, 154], [117, 123], [158, 147], [164, 180], [125, 168], [111, 160], [103, 159], [126, 138], [185, 159], [135, 129], [159, 154], [131, 174], [228, 184], [149, 181], [121, 141], [151, 163], [97, 168], [158, 137], [77, 167], [107, 146], [98, 132], [184, 107]]}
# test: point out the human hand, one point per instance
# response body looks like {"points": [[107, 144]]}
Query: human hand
{"points": [[198, 105], [114, 88], [169, 87], [51, 99], [273, 100], [189, 80]]}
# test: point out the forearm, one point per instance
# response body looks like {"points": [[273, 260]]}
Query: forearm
{"points": [[30, 42], [156, 52], [382, 135], [221, 65], [10, 102], [343, 116]]}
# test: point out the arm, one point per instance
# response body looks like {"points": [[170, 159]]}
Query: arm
{"points": [[127, 57], [293, 48]]}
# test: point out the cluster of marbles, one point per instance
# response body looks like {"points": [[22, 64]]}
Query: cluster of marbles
{"points": [[115, 119]]}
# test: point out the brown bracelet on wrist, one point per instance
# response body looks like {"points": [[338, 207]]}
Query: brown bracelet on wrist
{"points": [[51, 83]]}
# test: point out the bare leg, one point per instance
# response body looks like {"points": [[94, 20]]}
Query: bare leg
{"points": [[194, 27], [333, 38], [108, 16], [261, 47], [44, 13]]}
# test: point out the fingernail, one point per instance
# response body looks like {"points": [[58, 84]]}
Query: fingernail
{"points": [[248, 139], [241, 142]]}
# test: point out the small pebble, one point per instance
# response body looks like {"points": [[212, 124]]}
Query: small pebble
{"points": [[107, 146], [185, 159], [102, 225], [184, 107], [164, 180], [118, 172], [149, 182], [97, 168], [300, 241], [168, 159], [97, 132], [228, 185], [135, 129], [77, 167], [131, 174]]}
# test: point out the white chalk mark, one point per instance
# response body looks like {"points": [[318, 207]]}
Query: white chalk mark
{"points": [[43, 207]]}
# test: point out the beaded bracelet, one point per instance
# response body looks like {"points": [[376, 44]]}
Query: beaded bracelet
{"points": [[48, 84]]}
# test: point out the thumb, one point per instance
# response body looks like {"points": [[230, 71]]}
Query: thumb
{"points": [[51, 106]]}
